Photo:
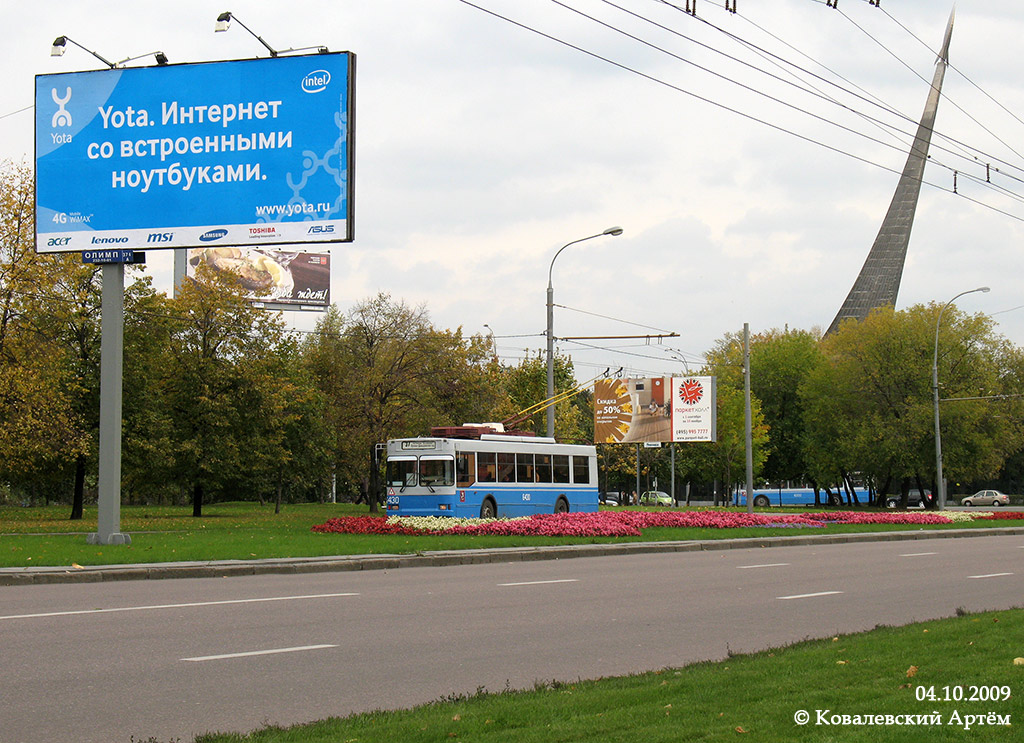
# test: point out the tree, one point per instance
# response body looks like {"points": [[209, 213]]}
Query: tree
{"points": [[39, 431], [869, 409], [726, 457], [526, 387], [219, 347], [284, 412], [779, 362], [386, 373]]}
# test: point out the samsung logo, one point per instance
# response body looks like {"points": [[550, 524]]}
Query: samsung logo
{"points": [[209, 237], [316, 81]]}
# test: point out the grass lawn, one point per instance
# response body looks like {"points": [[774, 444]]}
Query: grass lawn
{"points": [[243, 531], [917, 670]]}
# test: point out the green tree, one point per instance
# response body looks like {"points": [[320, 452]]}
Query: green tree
{"points": [[387, 372], [526, 387], [869, 409], [219, 347], [39, 427], [779, 362]]}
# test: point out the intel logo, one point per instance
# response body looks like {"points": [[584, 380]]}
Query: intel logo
{"points": [[316, 81], [209, 237]]}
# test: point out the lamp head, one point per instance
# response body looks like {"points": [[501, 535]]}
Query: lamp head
{"points": [[984, 289], [59, 44], [614, 231], [223, 22], [161, 58]]}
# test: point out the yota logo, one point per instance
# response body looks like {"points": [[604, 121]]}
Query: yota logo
{"points": [[316, 81], [63, 116]]}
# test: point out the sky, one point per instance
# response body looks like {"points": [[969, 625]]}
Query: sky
{"points": [[749, 157]]}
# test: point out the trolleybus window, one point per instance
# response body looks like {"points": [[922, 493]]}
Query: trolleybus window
{"points": [[485, 467], [506, 467], [524, 467], [561, 467], [543, 467], [465, 469], [401, 472], [437, 472], [580, 469]]}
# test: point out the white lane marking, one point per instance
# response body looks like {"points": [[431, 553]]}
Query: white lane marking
{"points": [[176, 606], [765, 565], [275, 651], [541, 582], [919, 554], [989, 575], [808, 595]]}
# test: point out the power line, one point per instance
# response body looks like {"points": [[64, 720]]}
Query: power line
{"points": [[742, 114]]}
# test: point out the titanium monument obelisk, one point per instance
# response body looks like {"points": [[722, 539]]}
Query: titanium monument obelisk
{"points": [[879, 280]]}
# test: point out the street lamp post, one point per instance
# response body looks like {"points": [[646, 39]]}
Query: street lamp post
{"points": [[613, 231], [939, 484]]}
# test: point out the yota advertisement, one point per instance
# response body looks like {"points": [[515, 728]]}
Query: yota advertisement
{"points": [[242, 153], [292, 279], [655, 409]]}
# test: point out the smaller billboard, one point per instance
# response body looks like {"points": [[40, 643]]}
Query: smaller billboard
{"points": [[654, 409], [292, 279], [694, 414]]}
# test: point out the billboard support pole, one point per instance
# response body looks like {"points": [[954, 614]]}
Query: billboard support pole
{"points": [[180, 261], [673, 472], [111, 369]]}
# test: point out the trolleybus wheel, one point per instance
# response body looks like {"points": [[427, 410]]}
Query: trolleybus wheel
{"points": [[561, 505], [488, 509], [761, 501]]}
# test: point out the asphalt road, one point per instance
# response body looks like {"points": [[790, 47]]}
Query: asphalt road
{"points": [[106, 661]]}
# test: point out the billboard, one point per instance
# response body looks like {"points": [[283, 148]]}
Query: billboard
{"points": [[655, 409], [282, 279], [248, 153]]}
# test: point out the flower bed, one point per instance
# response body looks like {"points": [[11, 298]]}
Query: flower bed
{"points": [[1000, 515], [631, 523]]}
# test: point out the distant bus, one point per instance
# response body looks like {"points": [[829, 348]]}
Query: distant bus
{"points": [[492, 476], [797, 497]]}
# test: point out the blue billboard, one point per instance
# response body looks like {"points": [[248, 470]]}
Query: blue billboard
{"points": [[243, 153]]}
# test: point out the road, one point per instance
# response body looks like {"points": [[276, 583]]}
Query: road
{"points": [[170, 659]]}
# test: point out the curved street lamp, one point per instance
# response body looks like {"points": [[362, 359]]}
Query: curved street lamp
{"points": [[614, 232], [935, 399]]}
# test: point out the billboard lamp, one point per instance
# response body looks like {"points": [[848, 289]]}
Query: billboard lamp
{"points": [[60, 43], [224, 22], [160, 57]]}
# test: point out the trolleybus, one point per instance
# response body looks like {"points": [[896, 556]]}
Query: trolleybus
{"points": [[795, 497], [489, 476]]}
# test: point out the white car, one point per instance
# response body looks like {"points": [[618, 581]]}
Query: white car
{"points": [[986, 498]]}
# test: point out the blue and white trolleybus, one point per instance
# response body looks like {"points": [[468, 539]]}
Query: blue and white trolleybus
{"points": [[489, 475]]}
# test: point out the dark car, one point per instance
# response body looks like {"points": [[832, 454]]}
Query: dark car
{"points": [[611, 498], [913, 499]]}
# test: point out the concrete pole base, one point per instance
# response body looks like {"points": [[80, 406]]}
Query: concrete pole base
{"points": [[115, 538]]}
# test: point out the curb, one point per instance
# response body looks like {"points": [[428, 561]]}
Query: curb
{"points": [[343, 563]]}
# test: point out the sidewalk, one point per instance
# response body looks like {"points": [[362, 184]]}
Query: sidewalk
{"points": [[226, 568]]}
